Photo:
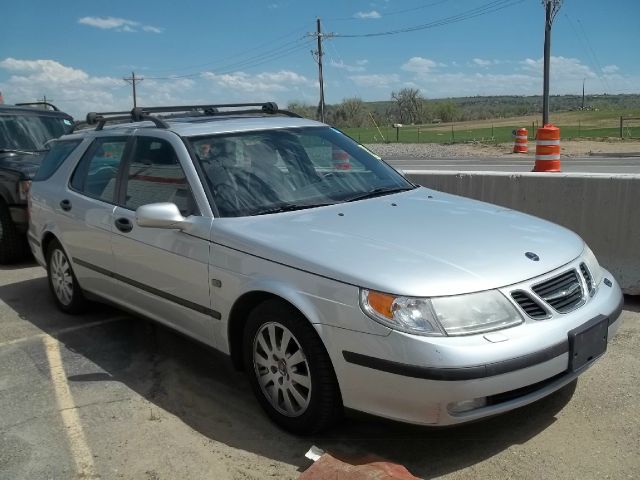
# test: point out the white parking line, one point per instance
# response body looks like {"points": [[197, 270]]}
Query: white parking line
{"points": [[80, 451], [61, 331]]}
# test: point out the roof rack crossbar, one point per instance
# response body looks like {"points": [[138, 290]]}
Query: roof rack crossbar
{"points": [[252, 111], [41, 104], [139, 114], [135, 115]]}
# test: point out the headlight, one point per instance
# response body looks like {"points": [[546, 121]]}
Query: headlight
{"points": [[457, 315], [594, 267]]}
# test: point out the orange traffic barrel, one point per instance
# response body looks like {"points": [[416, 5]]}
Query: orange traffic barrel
{"points": [[340, 159], [520, 138], [547, 149]]}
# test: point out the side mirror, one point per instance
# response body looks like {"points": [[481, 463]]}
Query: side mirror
{"points": [[160, 215]]}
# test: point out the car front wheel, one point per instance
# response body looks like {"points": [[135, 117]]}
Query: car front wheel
{"points": [[62, 281], [289, 369]]}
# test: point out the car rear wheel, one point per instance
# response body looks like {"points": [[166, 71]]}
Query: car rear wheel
{"points": [[62, 281], [13, 244], [289, 369]]}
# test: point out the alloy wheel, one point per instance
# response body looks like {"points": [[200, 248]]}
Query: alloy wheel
{"points": [[282, 369], [61, 278]]}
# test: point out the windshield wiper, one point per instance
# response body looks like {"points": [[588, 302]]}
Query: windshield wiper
{"points": [[15, 150], [378, 192], [289, 207]]}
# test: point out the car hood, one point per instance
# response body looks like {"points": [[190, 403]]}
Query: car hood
{"points": [[25, 164], [416, 243]]}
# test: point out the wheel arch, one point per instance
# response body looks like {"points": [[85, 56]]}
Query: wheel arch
{"points": [[246, 303]]}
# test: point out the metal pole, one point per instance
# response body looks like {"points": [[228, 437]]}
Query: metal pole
{"points": [[583, 93], [320, 78], [547, 58]]}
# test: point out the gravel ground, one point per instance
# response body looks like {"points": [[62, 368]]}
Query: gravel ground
{"points": [[480, 150]]}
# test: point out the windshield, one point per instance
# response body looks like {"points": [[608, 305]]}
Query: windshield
{"points": [[264, 172], [30, 132]]}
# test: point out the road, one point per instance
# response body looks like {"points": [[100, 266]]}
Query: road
{"points": [[110, 396], [519, 164]]}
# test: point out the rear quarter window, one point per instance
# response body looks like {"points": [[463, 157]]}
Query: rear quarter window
{"points": [[54, 158]]}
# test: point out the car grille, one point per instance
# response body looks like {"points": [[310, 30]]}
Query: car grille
{"points": [[587, 276], [563, 292], [529, 305]]}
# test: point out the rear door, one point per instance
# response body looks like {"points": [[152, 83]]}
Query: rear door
{"points": [[167, 271], [85, 212]]}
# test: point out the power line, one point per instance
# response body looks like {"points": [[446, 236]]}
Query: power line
{"points": [[250, 62], [485, 9], [298, 30], [584, 33], [589, 54], [394, 12]]}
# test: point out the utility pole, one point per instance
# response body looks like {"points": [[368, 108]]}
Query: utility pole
{"points": [[583, 93], [44, 99], [133, 80], [551, 10], [318, 56]]}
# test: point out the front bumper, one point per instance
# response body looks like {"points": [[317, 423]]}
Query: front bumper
{"points": [[415, 379]]}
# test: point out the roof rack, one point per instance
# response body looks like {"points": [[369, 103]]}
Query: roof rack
{"points": [[140, 114], [39, 104]]}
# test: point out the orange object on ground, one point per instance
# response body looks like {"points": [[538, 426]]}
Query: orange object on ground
{"points": [[547, 149], [330, 468], [520, 139]]}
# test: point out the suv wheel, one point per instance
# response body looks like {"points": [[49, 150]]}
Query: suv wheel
{"points": [[62, 281], [289, 369], [13, 245]]}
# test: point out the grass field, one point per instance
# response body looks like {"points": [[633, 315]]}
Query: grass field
{"points": [[577, 124]]}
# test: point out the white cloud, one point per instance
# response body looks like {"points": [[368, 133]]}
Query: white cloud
{"points": [[281, 81], [376, 80], [482, 63], [420, 65], [358, 67], [117, 24], [373, 14], [522, 78]]}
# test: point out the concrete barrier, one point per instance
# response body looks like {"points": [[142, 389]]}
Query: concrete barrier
{"points": [[604, 209]]}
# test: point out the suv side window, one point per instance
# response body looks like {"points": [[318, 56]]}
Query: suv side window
{"points": [[154, 175], [97, 173], [58, 153]]}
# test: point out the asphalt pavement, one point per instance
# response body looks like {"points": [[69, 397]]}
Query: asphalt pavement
{"points": [[107, 395], [519, 164]]}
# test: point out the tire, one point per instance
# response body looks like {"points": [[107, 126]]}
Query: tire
{"points": [[62, 281], [302, 397], [13, 244]]}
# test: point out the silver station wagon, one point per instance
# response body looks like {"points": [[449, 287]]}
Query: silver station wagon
{"points": [[321, 271]]}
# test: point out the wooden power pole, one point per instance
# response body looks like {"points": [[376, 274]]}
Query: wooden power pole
{"points": [[133, 80], [551, 10], [318, 56]]}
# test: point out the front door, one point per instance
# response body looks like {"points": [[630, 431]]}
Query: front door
{"points": [[167, 271]]}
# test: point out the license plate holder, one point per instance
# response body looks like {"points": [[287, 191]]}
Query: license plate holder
{"points": [[588, 342]]}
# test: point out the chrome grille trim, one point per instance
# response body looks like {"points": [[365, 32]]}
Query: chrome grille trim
{"points": [[564, 292], [529, 305], [586, 274]]}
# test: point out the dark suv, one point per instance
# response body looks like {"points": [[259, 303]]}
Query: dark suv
{"points": [[25, 130]]}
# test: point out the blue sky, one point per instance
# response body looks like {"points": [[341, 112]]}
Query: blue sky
{"points": [[77, 52]]}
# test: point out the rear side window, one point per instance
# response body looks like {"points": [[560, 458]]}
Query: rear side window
{"points": [[53, 159], [96, 174]]}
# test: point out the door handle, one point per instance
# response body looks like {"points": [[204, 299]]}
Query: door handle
{"points": [[65, 205], [124, 224]]}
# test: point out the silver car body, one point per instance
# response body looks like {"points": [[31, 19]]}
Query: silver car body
{"points": [[420, 243]]}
